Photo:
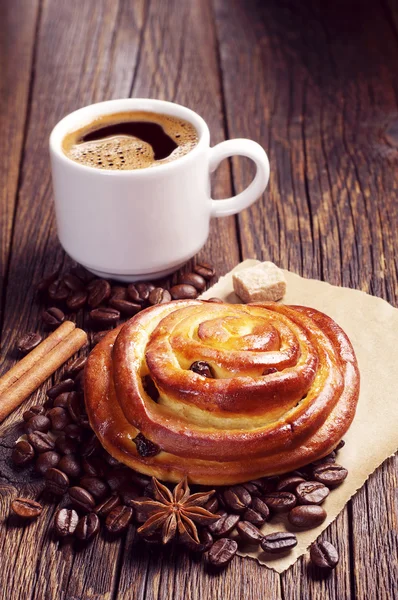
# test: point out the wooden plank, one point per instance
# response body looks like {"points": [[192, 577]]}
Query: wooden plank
{"points": [[318, 87], [183, 68], [179, 63], [85, 52], [17, 35]]}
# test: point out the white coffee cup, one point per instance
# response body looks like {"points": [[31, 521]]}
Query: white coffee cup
{"points": [[141, 224]]}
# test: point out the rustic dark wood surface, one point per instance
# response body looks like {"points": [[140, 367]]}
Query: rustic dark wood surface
{"points": [[316, 84]]}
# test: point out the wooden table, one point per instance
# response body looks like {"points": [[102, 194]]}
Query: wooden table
{"points": [[316, 84]]}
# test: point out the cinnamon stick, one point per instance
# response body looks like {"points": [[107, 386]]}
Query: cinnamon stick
{"points": [[40, 369], [26, 363]]}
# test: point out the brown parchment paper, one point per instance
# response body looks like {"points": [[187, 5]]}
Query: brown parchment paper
{"points": [[372, 326]]}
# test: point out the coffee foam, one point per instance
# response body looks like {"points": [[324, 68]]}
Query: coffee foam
{"points": [[124, 152]]}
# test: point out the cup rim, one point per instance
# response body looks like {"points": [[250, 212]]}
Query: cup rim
{"points": [[84, 114]]}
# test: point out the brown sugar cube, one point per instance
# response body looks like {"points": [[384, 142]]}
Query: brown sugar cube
{"points": [[261, 283]]}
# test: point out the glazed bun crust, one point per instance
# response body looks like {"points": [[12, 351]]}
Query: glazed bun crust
{"points": [[284, 389]]}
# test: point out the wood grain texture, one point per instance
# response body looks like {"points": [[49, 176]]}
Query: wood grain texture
{"points": [[314, 83], [323, 102], [17, 43]]}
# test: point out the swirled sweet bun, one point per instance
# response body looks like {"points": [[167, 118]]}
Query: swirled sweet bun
{"points": [[276, 388]]}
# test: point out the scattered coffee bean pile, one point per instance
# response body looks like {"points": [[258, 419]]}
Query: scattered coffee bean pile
{"points": [[108, 304], [99, 492]]}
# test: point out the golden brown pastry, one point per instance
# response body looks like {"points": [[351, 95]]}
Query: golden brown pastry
{"points": [[282, 390]]}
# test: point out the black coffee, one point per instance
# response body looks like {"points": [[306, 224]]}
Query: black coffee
{"points": [[130, 140]]}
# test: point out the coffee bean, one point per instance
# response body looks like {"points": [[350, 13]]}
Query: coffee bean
{"points": [[331, 475], [56, 390], [328, 459], [280, 501], [118, 519], [202, 368], [252, 516], [56, 482], [183, 291], [276, 543], [106, 506], [145, 447], [81, 498], [311, 492], [62, 400], [70, 465], [215, 300], [82, 273], [125, 307], [194, 279], [267, 484], [46, 461], [28, 341], [41, 442], [222, 552], [225, 524], [139, 292], [58, 291], [324, 555], [340, 445], [74, 406], [252, 488], [139, 479], [79, 381], [74, 431], [94, 466], [87, 527], [119, 478], [97, 337], [205, 270], [53, 317], [65, 522], [212, 504], [38, 423], [96, 486], [59, 418], [75, 366], [134, 294], [111, 460], [23, 453], [249, 532], [91, 446], [77, 300], [33, 411], [206, 542], [45, 283], [303, 473], [259, 506], [105, 316], [65, 444], [26, 508], [237, 498], [159, 296], [73, 282], [289, 483], [99, 291], [307, 516], [119, 292], [128, 494]]}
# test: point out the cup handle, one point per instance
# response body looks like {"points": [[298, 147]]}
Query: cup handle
{"points": [[240, 147]]}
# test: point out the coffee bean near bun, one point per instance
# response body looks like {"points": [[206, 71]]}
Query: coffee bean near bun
{"points": [[194, 279]]}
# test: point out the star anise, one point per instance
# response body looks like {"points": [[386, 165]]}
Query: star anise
{"points": [[169, 513]]}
